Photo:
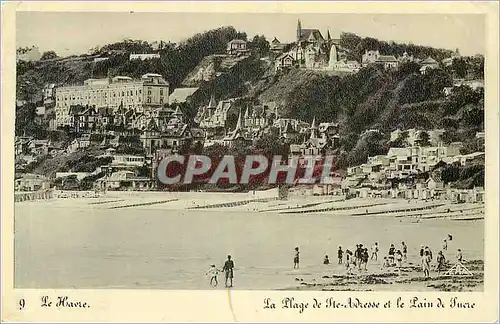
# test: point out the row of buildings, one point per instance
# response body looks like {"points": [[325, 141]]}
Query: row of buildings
{"points": [[145, 95]]}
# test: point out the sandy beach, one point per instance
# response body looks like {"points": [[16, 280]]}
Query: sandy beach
{"points": [[156, 240]]}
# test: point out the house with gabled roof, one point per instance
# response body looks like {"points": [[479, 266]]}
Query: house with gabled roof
{"points": [[428, 64]]}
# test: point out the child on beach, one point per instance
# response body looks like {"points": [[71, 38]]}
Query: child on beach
{"points": [[375, 251], [399, 260], [385, 264], [392, 250], [213, 272], [296, 258], [340, 254], [326, 260]]}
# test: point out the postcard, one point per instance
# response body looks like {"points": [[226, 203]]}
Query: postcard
{"points": [[250, 161]]}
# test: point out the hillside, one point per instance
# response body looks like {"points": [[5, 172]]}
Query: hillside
{"points": [[373, 98]]}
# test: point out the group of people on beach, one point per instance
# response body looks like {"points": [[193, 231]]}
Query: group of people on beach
{"points": [[394, 258], [441, 263], [358, 258]]}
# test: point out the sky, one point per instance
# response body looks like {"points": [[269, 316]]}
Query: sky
{"points": [[70, 33]]}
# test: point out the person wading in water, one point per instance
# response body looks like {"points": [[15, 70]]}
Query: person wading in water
{"points": [[228, 270], [296, 258]]}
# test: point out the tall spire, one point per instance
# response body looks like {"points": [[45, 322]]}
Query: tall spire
{"points": [[313, 129], [313, 133], [247, 113], [212, 103], [299, 30], [177, 111], [238, 123]]}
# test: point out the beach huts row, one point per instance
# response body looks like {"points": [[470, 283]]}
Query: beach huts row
{"points": [[474, 195]]}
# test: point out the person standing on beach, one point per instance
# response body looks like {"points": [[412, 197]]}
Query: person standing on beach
{"points": [[445, 245], [428, 249], [364, 258], [340, 254], [228, 270], [296, 258], [358, 254], [459, 256], [440, 262], [399, 260], [375, 251], [349, 261], [426, 264], [405, 251]]}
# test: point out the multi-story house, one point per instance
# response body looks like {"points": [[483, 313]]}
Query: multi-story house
{"points": [[143, 56], [214, 115], [374, 57], [48, 93], [79, 143], [428, 64], [237, 47], [149, 93], [238, 137], [284, 61]]}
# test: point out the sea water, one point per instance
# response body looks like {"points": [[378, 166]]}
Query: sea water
{"points": [[78, 245]]}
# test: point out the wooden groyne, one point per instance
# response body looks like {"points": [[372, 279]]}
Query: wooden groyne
{"points": [[403, 210], [105, 202], [35, 195], [329, 209], [235, 203], [298, 207], [144, 204]]}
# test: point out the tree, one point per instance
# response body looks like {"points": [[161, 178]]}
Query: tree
{"points": [[407, 68], [437, 80], [260, 45], [448, 137], [459, 66], [349, 40], [401, 141], [423, 139], [477, 67], [29, 86], [49, 55]]}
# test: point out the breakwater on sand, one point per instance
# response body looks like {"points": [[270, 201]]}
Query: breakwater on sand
{"points": [[35, 195]]}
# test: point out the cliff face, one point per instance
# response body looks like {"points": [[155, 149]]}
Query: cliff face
{"points": [[210, 68]]}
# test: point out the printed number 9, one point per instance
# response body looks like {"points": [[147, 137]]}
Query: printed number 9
{"points": [[22, 303]]}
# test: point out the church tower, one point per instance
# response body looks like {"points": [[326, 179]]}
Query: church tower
{"points": [[299, 30]]}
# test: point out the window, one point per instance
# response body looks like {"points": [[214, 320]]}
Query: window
{"points": [[161, 92]]}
